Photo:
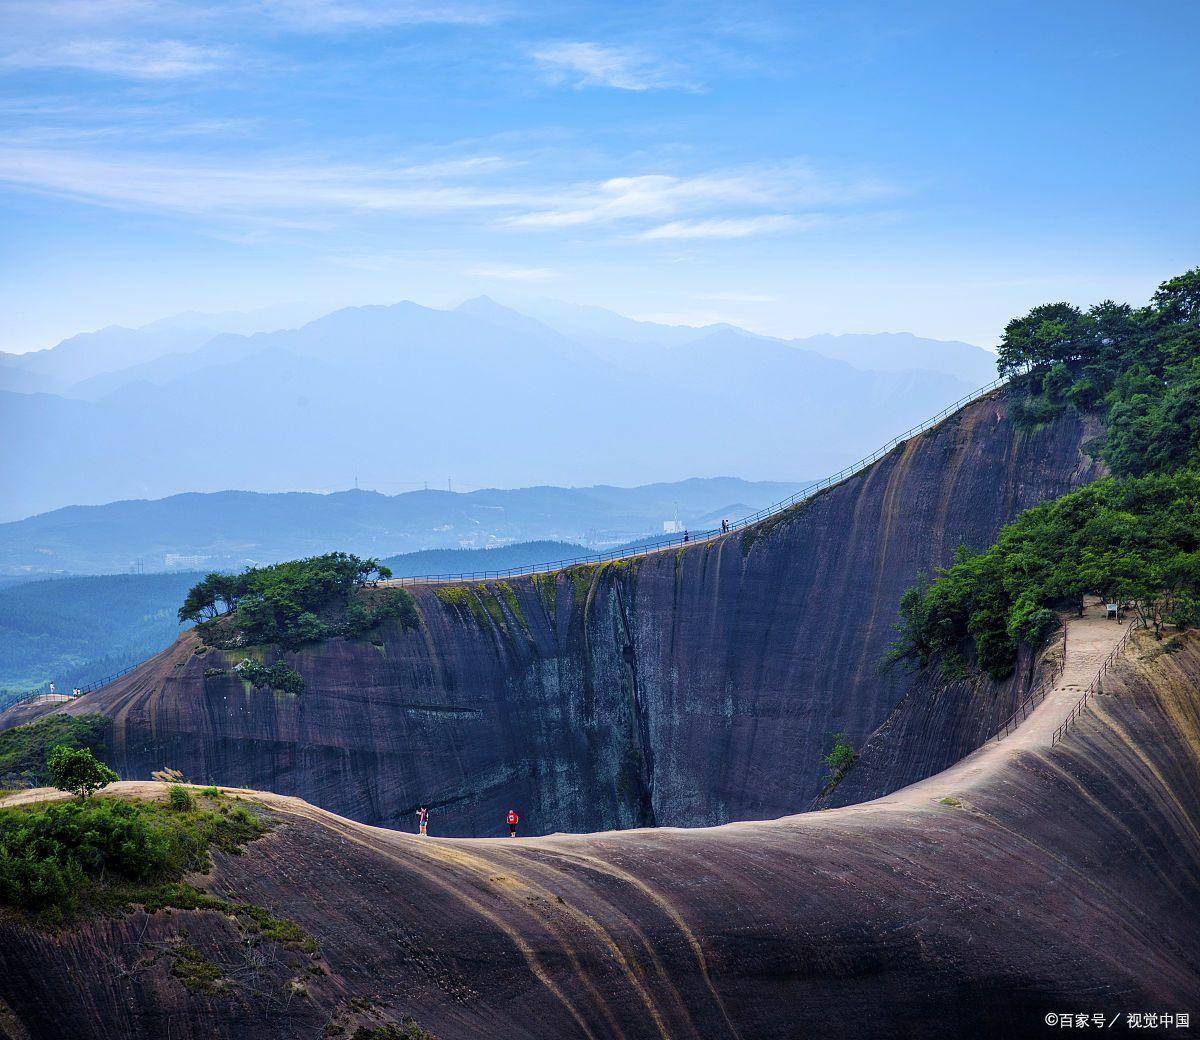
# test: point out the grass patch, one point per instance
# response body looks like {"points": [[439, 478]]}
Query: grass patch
{"points": [[547, 589], [951, 801], [581, 577], [407, 1029], [195, 970]]}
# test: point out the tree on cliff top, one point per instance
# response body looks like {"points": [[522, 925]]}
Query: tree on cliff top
{"points": [[292, 603], [1134, 539]]}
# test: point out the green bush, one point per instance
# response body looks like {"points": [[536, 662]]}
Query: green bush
{"points": [[838, 760], [53, 855], [1140, 368], [1134, 539], [284, 603], [278, 676]]}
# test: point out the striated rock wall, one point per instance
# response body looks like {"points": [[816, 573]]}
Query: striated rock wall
{"points": [[1065, 880], [684, 688]]}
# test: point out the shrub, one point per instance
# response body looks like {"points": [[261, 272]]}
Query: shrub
{"points": [[53, 854], [77, 770], [180, 798], [839, 759], [278, 676]]}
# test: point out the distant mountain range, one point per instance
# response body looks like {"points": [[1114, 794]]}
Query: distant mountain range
{"points": [[231, 529], [484, 394]]}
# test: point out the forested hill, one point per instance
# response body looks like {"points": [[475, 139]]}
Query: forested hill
{"points": [[77, 630], [232, 529]]}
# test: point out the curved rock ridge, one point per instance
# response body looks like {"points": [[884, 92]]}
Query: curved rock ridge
{"points": [[1026, 880], [685, 688]]}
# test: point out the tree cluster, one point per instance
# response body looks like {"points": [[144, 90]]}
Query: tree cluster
{"points": [[1133, 538], [292, 603], [1139, 367]]}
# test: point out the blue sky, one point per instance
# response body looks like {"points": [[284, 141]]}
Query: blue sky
{"points": [[794, 168]]}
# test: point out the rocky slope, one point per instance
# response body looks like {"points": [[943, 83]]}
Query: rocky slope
{"points": [[1036, 880], [685, 688]]}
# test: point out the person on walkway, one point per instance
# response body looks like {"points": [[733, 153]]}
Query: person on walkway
{"points": [[513, 820], [423, 820], [685, 536], [725, 527], [76, 692]]}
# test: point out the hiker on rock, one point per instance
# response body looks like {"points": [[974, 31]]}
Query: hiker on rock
{"points": [[513, 820], [423, 821]]}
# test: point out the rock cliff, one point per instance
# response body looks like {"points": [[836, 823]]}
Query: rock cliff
{"points": [[1040, 881], [684, 688]]}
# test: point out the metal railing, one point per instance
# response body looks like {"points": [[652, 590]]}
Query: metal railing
{"points": [[44, 691], [642, 548], [1035, 696], [1094, 685], [657, 545]]}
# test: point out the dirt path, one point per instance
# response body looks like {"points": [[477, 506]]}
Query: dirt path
{"points": [[1090, 639]]}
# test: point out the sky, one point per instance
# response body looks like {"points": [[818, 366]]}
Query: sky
{"points": [[795, 168]]}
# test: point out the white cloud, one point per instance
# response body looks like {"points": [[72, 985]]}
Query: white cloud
{"points": [[150, 60], [725, 204], [584, 64]]}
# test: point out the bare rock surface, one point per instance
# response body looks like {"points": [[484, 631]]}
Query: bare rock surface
{"points": [[1025, 880], [684, 688]]}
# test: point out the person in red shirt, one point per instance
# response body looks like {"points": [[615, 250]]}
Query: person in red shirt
{"points": [[513, 820], [423, 819]]}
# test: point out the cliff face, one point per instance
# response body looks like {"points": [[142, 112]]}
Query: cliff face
{"points": [[684, 688], [1062, 879]]}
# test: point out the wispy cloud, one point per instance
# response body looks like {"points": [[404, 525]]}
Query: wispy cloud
{"points": [[731, 227], [727, 204], [308, 192], [302, 186], [349, 15], [648, 195], [132, 59], [583, 64]]}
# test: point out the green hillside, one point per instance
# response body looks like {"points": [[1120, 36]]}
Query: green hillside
{"points": [[76, 630]]}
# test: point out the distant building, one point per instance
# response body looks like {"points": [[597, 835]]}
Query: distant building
{"points": [[672, 527], [183, 561]]}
